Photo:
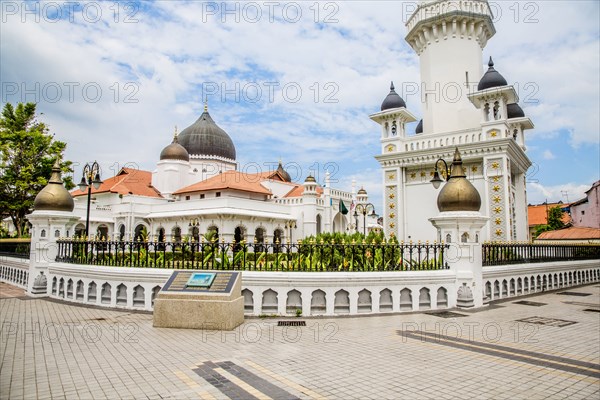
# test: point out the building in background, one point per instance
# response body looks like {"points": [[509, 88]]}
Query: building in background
{"points": [[584, 220], [538, 215]]}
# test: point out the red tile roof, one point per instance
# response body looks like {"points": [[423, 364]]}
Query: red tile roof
{"points": [[538, 214], [230, 180], [573, 233], [299, 190], [127, 181]]}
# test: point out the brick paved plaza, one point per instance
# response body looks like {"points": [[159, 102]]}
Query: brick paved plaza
{"points": [[547, 347]]}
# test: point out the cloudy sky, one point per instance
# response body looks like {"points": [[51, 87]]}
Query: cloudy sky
{"points": [[293, 80]]}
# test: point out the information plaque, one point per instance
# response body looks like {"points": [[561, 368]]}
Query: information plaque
{"points": [[200, 300]]}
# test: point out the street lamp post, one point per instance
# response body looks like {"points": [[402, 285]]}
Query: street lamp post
{"points": [[91, 176], [436, 180], [363, 208]]}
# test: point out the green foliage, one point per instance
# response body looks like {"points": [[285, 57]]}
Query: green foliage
{"points": [[348, 238], [555, 215], [28, 152]]}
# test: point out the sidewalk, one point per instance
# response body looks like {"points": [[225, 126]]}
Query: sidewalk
{"points": [[548, 347]]}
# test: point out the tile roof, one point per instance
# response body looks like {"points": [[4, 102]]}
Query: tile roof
{"points": [[538, 214], [230, 180], [298, 190], [127, 181], [572, 233]]}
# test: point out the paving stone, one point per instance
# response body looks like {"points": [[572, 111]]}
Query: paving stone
{"points": [[369, 360]]}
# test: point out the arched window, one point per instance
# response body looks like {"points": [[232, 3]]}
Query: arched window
{"points": [[496, 110], [448, 238], [464, 237], [43, 233], [486, 111], [318, 224], [122, 233]]}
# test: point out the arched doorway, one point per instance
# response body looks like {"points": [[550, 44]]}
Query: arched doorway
{"points": [[141, 233], [212, 233], [102, 232], [259, 239], [79, 230], [239, 234], [318, 224]]}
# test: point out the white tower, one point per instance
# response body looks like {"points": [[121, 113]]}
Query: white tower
{"points": [[481, 117], [449, 36]]}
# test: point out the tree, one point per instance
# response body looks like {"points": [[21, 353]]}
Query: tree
{"points": [[555, 215], [28, 152]]}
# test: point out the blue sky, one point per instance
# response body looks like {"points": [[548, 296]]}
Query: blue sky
{"points": [[296, 81]]}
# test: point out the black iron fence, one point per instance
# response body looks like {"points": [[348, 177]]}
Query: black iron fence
{"points": [[19, 248], [515, 253], [301, 256]]}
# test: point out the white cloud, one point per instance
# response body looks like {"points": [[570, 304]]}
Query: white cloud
{"points": [[547, 155], [568, 192], [170, 52]]}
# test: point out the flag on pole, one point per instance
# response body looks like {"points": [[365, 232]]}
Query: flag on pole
{"points": [[343, 208]]}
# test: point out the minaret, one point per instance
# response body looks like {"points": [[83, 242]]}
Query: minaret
{"points": [[449, 37], [309, 206]]}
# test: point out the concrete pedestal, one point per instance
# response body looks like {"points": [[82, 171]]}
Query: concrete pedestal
{"points": [[195, 309]]}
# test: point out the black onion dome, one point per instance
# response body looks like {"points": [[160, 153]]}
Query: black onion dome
{"points": [[392, 100], [513, 110], [284, 174], [204, 137], [419, 128], [491, 78], [174, 151]]}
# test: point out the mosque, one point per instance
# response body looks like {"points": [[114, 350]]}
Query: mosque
{"points": [[196, 187]]}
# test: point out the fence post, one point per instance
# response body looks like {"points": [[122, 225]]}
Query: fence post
{"points": [[464, 255], [47, 227]]}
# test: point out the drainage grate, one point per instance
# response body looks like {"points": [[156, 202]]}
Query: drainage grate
{"points": [[547, 321], [592, 309], [574, 294], [530, 303], [446, 314], [291, 323]]}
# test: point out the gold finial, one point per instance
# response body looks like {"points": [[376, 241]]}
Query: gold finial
{"points": [[205, 104], [175, 133]]}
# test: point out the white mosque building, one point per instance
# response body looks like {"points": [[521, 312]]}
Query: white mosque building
{"points": [[461, 107], [196, 188]]}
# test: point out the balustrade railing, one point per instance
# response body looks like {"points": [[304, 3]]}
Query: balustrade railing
{"points": [[19, 248], [517, 253], [301, 256]]}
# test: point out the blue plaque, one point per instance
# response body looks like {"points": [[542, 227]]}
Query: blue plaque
{"points": [[201, 279]]}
